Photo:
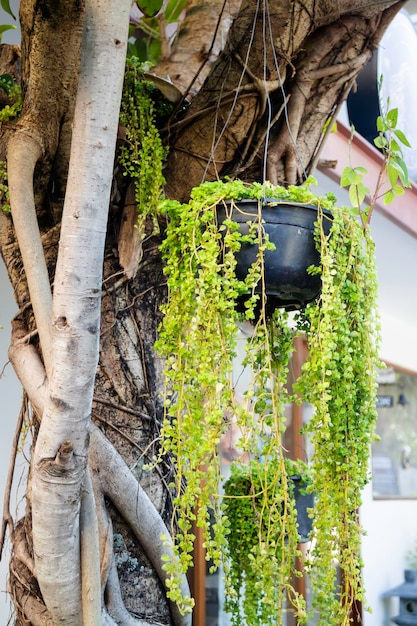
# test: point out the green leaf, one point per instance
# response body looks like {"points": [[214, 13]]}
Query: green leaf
{"points": [[395, 146], [399, 164], [149, 7], [362, 192], [392, 118], [380, 124], [353, 196], [389, 196], [4, 27], [357, 194], [352, 176], [155, 50], [139, 49], [380, 141], [355, 178], [398, 190], [393, 172], [400, 135], [5, 5], [345, 179], [404, 172], [173, 10]]}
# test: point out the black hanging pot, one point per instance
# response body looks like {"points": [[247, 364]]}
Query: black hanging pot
{"points": [[299, 493], [290, 227], [304, 503]]}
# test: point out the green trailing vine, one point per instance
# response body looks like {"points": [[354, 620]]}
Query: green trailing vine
{"points": [[13, 93], [339, 378], [142, 153], [4, 188], [8, 111], [262, 541], [254, 536], [339, 381], [198, 340]]}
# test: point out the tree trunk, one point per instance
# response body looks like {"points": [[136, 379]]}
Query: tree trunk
{"points": [[259, 113]]}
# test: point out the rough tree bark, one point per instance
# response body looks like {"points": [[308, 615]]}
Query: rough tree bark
{"points": [[260, 99]]}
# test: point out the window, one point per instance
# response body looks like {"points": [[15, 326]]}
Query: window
{"points": [[394, 455]]}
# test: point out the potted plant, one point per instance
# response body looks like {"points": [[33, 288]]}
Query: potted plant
{"points": [[207, 298], [289, 226], [198, 341], [255, 507]]}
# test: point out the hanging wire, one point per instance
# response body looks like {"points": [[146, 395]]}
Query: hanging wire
{"points": [[268, 99], [267, 37], [284, 95], [206, 56], [211, 158]]}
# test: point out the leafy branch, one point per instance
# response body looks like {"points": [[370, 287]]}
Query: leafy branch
{"points": [[390, 140]]}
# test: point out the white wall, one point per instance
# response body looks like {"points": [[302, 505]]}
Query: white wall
{"points": [[391, 525], [391, 531]]}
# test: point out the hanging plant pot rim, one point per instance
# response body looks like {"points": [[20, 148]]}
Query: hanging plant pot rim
{"points": [[271, 202], [274, 211]]}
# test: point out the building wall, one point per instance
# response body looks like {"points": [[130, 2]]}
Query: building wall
{"points": [[391, 525]]}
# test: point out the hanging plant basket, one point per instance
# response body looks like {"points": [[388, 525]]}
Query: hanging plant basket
{"points": [[205, 240], [264, 506], [239, 490], [289, 226]]}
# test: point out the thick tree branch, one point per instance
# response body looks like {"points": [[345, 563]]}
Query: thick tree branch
{"points": [[7, 520], [90, 550], [111, 477], [129, 498], [23, 153], [47, 105], [195, 49], [318, 48], [275, 42], [56, 488], [28, 366]]}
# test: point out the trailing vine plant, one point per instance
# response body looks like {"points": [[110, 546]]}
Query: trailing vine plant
{"points": [[262, 542], [256, 525], [254, 536], [338, 379], [198, 341], [142, 153]]}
